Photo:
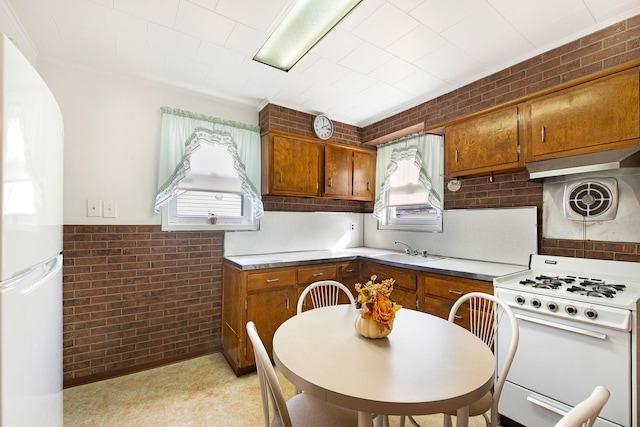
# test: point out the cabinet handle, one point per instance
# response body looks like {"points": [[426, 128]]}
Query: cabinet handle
{"points": [[351, 270], [457, 316], [368, 186], [330, 183], [272, 280], [287, 303], [317, 274], [451, 291], [281, 177], [542, 133], [456, 155]]}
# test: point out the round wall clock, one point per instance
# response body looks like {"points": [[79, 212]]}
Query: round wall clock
{"points": [[323, 126]]}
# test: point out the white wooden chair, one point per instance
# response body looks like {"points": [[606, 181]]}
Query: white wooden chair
{"points": [[485, 313], [301, 410], [324, 293], [584, 414]]}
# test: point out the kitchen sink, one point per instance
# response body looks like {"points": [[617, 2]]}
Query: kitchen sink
{"points": [[405, 258]]}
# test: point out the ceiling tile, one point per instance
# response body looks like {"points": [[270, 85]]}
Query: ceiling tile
{"points": [[259, 15], [439, 15], [202, 23], [366, 58], [110, 21], [487, 37], [185, 69], [394, 71], [604, 10], [417, 43], [161, 12], [449, 63], [172, 41], [385, 25]]}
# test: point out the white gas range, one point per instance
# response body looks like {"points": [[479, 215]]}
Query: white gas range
{"points": [[578, 328]]}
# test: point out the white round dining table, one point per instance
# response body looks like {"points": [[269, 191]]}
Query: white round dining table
{"points": [[426, 365]]}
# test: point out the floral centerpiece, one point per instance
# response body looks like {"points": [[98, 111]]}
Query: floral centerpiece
{"points": [[377, 308]]}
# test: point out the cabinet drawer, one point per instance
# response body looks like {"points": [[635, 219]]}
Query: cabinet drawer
{"points": [[308, 275], [403, 277], [349, 270], [270, 279], [452, 288]]}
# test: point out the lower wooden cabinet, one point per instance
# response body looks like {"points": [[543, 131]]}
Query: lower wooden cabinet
{"points": [[266, 297], [269, 297], [441, 292], [405, 288]]}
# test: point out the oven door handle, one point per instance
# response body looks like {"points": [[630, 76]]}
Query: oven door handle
{"points": [[564, 327], [547, 406]]}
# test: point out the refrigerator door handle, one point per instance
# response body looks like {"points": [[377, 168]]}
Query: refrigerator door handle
{"points": [[31, 279]]}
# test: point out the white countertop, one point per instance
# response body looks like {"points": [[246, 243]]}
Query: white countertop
{"points": [[480, 270]]}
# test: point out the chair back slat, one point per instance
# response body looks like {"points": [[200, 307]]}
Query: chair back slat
{"points": [[486, 312], [324, 293]]}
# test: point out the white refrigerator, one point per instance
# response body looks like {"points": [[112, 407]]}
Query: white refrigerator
{"points": [[31, 170]]}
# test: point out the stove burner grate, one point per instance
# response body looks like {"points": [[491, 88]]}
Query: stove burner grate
{"points": [[585, 286], [600, 293]]}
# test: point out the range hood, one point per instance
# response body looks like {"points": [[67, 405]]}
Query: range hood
{"points": [[605, 160]]}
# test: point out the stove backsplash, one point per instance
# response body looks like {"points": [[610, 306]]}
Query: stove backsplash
{"points": [[624, 227]]}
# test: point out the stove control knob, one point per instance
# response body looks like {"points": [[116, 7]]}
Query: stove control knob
{"points": [[590, 313], [520, 299], [571, 310], [552, 306], [535, 302]]}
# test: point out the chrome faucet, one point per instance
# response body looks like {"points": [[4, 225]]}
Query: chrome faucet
{"points": [[409, 250]]}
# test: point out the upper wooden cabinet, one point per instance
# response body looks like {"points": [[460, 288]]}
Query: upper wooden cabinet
{"points": [[364, 175], [349, 172], [488, 142], [598, 115], [290, 166]]}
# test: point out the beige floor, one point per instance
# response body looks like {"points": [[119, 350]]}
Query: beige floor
{"points": [[198, 392]]}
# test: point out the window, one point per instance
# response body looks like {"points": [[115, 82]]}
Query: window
{"points": [[407, 204], [210, 187], [410, 181], [208, 166]]}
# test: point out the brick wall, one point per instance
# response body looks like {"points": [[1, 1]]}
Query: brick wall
{"points": [[136, 297], [275, 117]]}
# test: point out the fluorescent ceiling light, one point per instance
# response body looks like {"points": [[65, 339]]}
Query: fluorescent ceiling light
{"points": [[304, 26]]}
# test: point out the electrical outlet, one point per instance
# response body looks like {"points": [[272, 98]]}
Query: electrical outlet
{"points": [[110, 209], [94, 207]]}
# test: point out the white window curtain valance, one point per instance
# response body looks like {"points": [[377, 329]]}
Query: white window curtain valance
{"points": [[182, 133], [426, 152]]}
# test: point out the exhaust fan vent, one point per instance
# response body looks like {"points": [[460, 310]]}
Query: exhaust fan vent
{"points": [[591, 200]]}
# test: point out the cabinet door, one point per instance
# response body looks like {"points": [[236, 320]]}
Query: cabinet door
{"points": [[589, 117], [295, 167], [337, 171], [486, 143], [268, 310], [364, 175], [405, 286], [442, 291]]}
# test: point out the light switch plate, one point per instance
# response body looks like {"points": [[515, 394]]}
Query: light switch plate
{"points": [[94, 207], [110, 209]]}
